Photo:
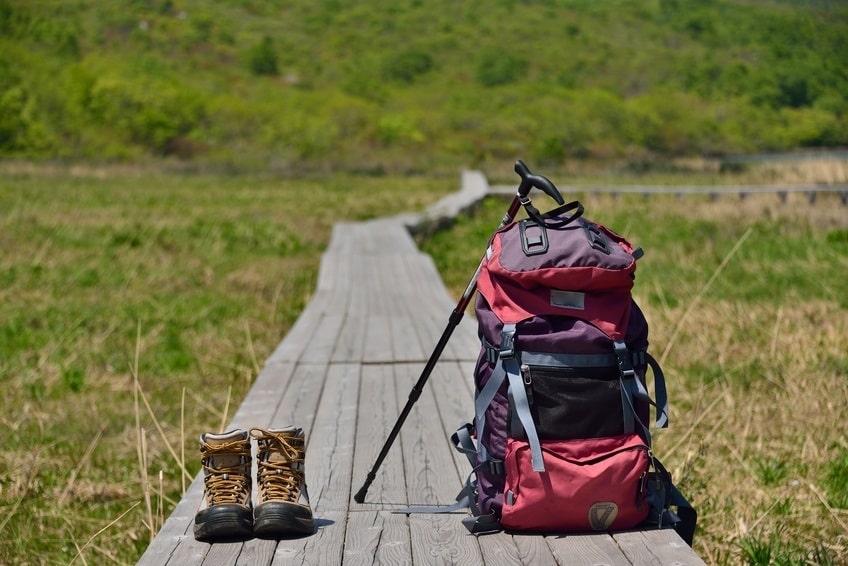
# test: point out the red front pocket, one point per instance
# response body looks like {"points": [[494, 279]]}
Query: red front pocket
{"points": [[594, 484]]}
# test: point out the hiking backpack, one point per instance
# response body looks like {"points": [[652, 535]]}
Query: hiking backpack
{"points": [[560, 439]]}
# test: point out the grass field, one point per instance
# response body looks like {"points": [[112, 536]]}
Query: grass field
{"points": [[136, 308]]}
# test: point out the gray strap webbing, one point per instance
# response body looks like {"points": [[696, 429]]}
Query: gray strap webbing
{"points": [[482, 402], [629, 391], [463, 501], [660, 392], [508, 364], [521, 406], [464, 443], [630, 385], [568, 360], [633, 388], [556, 359]]}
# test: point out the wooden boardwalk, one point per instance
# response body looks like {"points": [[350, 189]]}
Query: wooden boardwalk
{"points": [[714, 192], [343, 373]]}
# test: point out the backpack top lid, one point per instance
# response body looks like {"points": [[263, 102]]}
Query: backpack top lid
{"points": [[580, 269]]}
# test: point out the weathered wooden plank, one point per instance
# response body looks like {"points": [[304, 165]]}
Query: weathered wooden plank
{"points": [[188, 552], [318, 549], [378, 411], [377, 537], [329, 457], [432, 477], [256, 553], [473, 188], [300, 402], [261, 402], [325, 338], [587, 550], [533, 550], [662, 546], [437, 540], [378, 339], [223, 553], [300, 335], [455, 402], [438, 306], [351, 340]]}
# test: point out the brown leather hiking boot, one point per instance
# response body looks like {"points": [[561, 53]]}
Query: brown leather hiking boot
{"points": [[225, 512], [283, 505]]}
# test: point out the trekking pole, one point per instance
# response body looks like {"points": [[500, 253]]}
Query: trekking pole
{"points": [[528, 182]]}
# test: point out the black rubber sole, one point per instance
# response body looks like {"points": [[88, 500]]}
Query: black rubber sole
{"points": [[276, 519], [223, 522]]}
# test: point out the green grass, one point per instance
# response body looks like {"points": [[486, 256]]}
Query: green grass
{"points": [[748, 307]]}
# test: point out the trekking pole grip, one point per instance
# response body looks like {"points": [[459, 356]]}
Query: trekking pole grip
{"points": [[529, 181]]}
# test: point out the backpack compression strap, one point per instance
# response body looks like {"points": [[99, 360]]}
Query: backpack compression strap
{"points": [[633, 388], [518, 395]]}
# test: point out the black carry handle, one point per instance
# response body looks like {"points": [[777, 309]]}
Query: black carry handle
{"points": [[556, 218]]}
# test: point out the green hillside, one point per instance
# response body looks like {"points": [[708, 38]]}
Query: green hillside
{"points": [[407, 84]]}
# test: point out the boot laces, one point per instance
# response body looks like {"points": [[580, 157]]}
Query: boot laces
{"points": [[226, 483], [279, 479]]}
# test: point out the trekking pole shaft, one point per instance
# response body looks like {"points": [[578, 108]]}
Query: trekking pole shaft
{"points": [[414, 394]]}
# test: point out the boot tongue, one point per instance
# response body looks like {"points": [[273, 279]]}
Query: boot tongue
{"points": [[225, 459], [287, 448], [280, 452]]}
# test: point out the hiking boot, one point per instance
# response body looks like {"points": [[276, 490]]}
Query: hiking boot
{"points": [[225, 512], [283, 504]]}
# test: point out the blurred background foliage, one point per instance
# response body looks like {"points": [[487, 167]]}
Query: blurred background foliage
{"points": [[408, 84]]}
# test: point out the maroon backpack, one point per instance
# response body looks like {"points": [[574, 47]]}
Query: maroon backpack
{"points": [[560, 441]]}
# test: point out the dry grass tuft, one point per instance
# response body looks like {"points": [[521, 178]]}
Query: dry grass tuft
{"points": [[750, 443]]}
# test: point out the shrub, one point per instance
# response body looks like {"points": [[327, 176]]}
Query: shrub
{"points": [[146, 112], [496, 66], [262, 58], [404, 66]]}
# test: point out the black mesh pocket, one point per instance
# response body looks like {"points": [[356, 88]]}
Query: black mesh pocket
{"points": [[568, 403]]}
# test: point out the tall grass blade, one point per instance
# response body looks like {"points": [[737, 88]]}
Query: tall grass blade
{"points": [[697, 298]]}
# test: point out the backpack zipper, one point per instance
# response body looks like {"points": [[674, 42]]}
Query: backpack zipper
{"points": [[528, 382]]}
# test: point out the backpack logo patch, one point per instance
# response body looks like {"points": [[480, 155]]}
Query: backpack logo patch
{"points": [[568, 299], [602, 514]]}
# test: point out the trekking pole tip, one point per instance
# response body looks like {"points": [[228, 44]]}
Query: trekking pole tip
{"points": [[360, 495]]}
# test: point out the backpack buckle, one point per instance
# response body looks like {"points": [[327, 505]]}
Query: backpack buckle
{"points": [[625, 361], [507, 347]]}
